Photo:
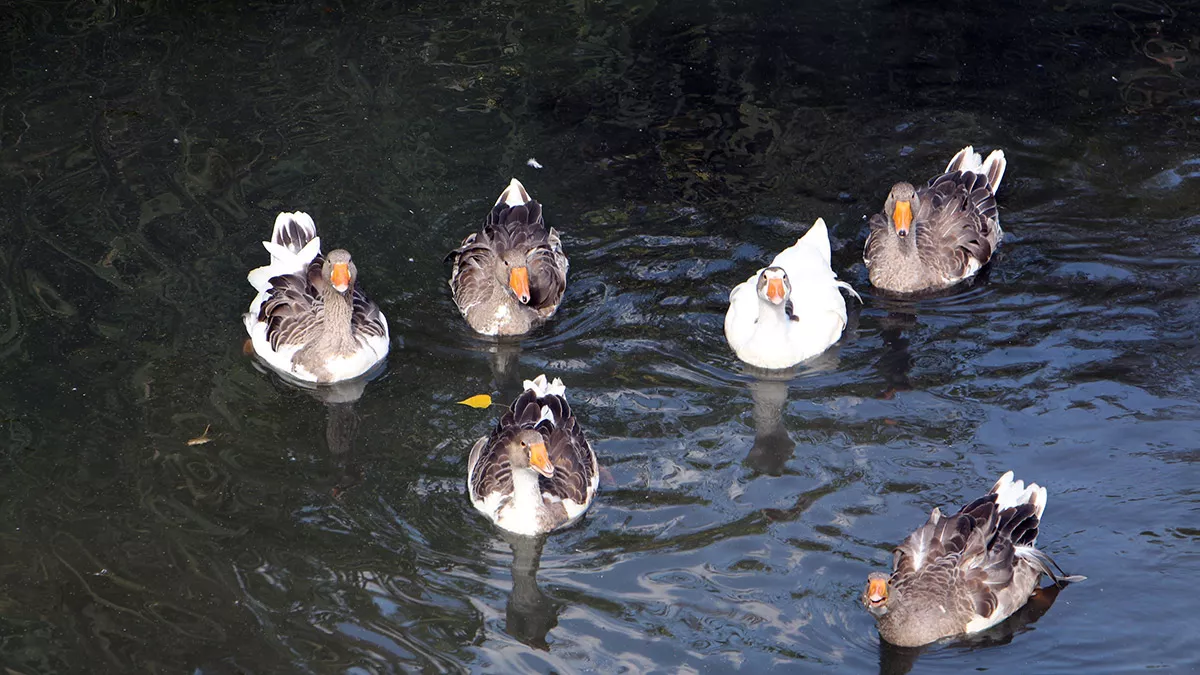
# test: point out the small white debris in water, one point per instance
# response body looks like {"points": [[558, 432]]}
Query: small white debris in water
{"points": [[533, 163], [410, 260]]}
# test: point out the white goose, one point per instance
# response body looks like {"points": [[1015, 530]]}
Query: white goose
{"points": [[770, 326], [310, 319]]}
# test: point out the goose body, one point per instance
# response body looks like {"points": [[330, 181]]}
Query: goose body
{"points": [[536, 471], [790, 311], [310, 319], [510, 276], [937, 235], [964, 573]]}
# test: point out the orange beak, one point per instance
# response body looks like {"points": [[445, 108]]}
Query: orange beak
{"points": [[876, 592], [518, 281], [340, 277], [775, 290], [902, 218], [539, 460]]}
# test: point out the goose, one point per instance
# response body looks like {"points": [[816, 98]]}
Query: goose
{"points": [[536, 471], [311, 320], [791, 310], [964, 573], [510, 276], [935, 236]]}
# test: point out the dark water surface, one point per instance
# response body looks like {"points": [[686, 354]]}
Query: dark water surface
{"points": [[146, 149]]}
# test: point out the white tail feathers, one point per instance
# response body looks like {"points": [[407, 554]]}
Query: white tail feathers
{"points": [[969, 160], [293, 231], [810, 254], [820, 240], [294, 243], [514, 194], [1010, 493], [541, 387]]}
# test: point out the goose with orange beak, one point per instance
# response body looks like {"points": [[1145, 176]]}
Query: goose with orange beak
{"points": [[935, 236], [791, 310], [966, 572], [509, 277], [310, 320], [536, 471]]}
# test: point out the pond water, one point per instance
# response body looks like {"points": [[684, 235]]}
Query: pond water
{"points": [[147, 148]]}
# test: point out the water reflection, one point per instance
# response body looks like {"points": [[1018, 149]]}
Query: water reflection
{"points": [[530, 614], [341, 419], [341, 426], [773, 446], [895, 362], [142, 150], [504, 357]]}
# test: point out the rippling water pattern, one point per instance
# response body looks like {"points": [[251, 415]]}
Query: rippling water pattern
{"points": [[147, 146]]}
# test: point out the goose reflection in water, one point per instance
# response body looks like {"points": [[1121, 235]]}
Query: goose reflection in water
{"points": [[504, 356], [773, 445], [896, 361], [341, 426], [530, 614], [341, 420], [895, 660]]}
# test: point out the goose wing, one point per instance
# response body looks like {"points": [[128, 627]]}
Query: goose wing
{"points": [[489, 469], [576, 471], [472, 277], [366, 319], [957, 226], [520, 227], [293, 307], [880, 230]]}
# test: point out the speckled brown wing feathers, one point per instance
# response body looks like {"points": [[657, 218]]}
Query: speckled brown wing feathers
{"points": [[573, 460], [366, 317], [955, 222], [876, 236], [294, 308], [568, 449], [491, 469], [972, 551], [511, 228], [522, 228]]}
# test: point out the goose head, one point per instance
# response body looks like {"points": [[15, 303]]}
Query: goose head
{"points": [[879, 595], [339, 271], [512, 272], [901, 204], [774, 286], [527, 450]]}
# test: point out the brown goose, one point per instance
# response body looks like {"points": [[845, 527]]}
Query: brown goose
{"points": [[940, 234], [310, 319], [964, 573], [510, 276], [536, 472]]}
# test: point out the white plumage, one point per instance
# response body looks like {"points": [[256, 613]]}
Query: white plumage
{"points": [[772, 329]]}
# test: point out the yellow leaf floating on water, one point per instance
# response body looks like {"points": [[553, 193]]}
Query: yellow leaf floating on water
{"points": [[477, 401], [202, 438]]}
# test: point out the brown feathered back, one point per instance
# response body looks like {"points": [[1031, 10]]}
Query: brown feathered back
{"points": [[568, 449]]}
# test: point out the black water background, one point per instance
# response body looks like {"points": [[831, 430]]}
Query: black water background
{"points": [[146, 148]]}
